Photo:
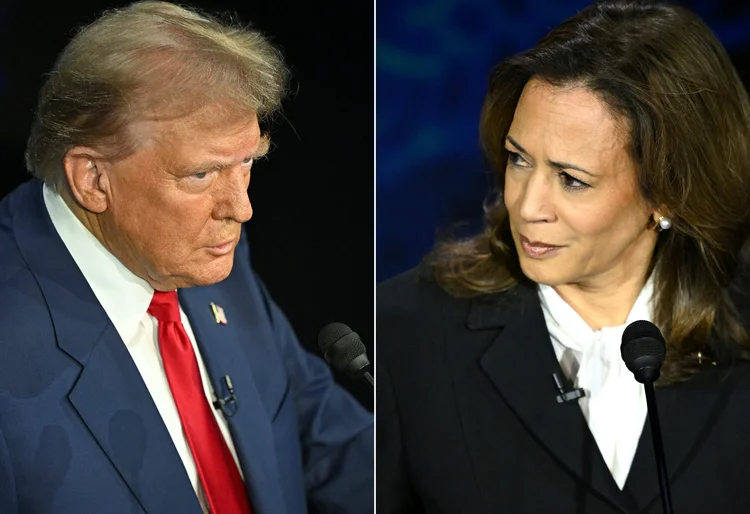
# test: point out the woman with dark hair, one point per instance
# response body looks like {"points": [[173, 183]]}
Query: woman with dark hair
{"points": [[621, 147]]}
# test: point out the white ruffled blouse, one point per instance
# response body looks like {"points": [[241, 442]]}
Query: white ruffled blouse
{"points": [[615, 404]]}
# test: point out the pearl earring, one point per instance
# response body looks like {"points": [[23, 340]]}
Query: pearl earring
{"points": [[664, 223]]}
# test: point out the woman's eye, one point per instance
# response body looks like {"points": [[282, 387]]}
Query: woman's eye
{"points": [[515, 159], [570, 183]]}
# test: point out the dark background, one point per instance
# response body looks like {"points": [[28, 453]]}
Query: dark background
{"points": [[311, 236], [433, 61]]}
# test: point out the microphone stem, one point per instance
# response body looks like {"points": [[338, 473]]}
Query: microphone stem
{"points": [[661, 463], [369, 378]]}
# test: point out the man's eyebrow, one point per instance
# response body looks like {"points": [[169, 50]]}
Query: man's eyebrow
{"points": [[556, 164], [264, 144]]}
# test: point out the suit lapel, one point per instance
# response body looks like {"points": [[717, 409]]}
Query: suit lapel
{"points": [[116, 406], [228, 352], [110, 396], [687, 414], [520, 363]]}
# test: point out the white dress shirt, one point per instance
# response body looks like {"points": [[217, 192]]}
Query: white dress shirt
{"points": [[125, 298], [615, 403]]}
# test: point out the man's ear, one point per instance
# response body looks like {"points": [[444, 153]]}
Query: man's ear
{"points": [[88, 185]]}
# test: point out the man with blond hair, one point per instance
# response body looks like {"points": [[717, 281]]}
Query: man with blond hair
{"points": [[143, 366]]}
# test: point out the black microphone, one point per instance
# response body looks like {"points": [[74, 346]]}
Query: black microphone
{"points": [[345, 351], [643, 351]]}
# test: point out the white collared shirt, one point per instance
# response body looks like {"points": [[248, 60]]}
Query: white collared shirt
{"points": [[125, 298], [615, 403]]}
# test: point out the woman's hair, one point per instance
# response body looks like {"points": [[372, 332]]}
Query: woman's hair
{"points": [[150, 60], [660, 69]]}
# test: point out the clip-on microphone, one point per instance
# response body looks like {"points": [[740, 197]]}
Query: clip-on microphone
{"points": [[227, 404], [572, 395]]}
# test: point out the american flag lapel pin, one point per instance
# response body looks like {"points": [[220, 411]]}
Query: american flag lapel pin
{"points": [[219, 315]]}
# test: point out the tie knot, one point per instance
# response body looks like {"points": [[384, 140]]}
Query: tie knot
{"points": [[164, 306]]}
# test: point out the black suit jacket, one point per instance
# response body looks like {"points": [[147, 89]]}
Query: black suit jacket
{"points": [[467, 418]]}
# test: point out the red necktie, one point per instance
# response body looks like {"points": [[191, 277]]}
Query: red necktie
{"points": [[217, 470]]}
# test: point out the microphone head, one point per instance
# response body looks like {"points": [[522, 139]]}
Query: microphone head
{"points": [[643, 350], [343, 349]]}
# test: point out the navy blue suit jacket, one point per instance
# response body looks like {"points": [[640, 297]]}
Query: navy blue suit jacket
{"points": [[79, 432]]}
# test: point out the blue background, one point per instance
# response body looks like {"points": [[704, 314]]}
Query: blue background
{"points": [[433, 61]]}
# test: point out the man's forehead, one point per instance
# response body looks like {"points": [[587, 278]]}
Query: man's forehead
{"points": [[219, 135]]}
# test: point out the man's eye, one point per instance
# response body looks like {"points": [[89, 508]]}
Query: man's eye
{"points": [[201, 175]]}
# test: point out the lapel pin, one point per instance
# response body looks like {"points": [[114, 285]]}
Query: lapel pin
{"points": [[219, 315]]}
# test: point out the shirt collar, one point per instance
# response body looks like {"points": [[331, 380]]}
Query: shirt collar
{"points": [[573, 332], [123, 295]]}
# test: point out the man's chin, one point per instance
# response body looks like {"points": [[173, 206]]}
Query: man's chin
{"points": [[210, 275]]}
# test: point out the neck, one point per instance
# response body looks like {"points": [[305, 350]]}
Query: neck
{"points": [[605, 304], [606, 299], [88, 219], [94, 224]]}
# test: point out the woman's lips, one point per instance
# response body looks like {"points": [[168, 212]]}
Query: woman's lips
{"points": [[538, 249]]}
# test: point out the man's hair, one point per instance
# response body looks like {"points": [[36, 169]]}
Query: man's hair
{"points": [[659, 69], [148, 61]]}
